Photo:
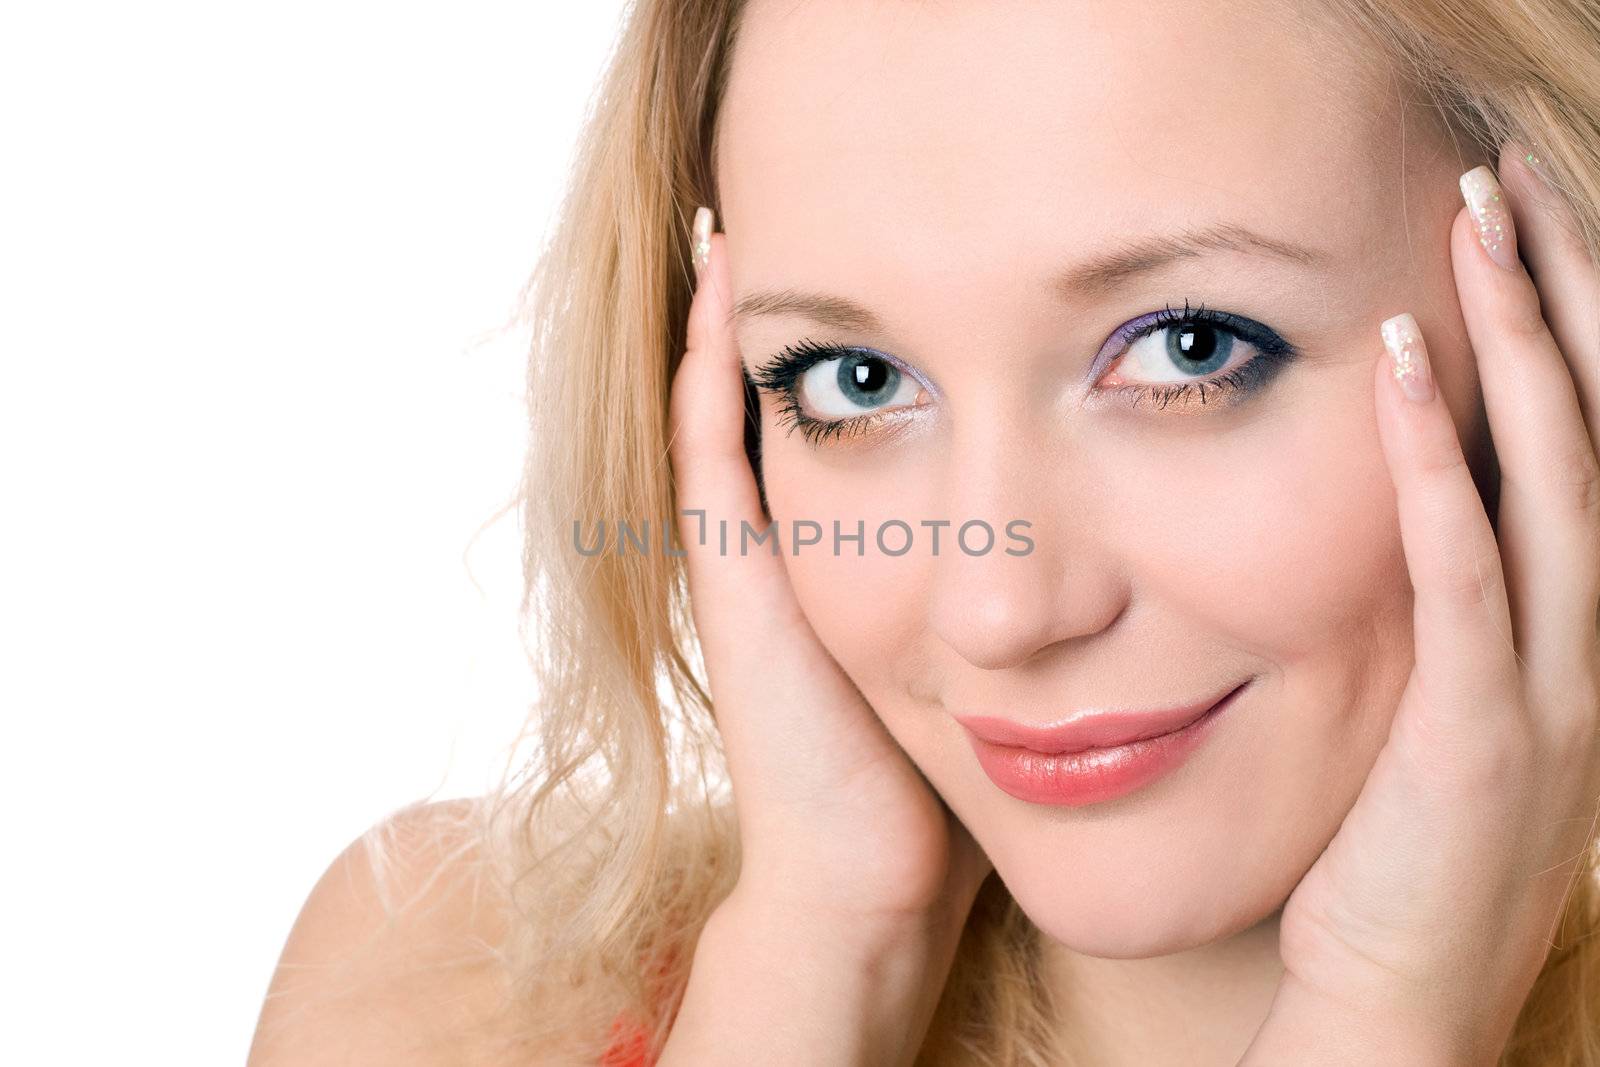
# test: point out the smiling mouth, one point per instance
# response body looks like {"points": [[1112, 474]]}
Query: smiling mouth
{"points": [[1094, 728], [1092, 757]]}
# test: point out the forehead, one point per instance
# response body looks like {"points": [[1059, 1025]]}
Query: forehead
{"points": [[860, 138]]}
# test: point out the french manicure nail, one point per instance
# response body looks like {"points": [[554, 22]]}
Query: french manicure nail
{"points": [[1408, 357], [700, 249], [1490, 218]]}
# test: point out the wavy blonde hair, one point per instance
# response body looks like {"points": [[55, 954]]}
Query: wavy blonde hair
{"points": [[614, 836]]}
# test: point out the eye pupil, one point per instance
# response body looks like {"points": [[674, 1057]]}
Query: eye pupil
{"points": [[1193, 341], [1198, 347], [869, 375], [866, 380]]}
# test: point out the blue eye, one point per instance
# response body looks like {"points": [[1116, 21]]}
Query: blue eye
{"points": [[1183, 356], [1167, 357], [854, 384], [1178, 353], [831, 391]]}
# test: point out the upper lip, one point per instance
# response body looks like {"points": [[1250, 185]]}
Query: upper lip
{"points": [[1093, 727]]}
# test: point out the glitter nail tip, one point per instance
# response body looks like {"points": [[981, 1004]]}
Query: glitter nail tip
{"points": [[1490, 219], [1407, 356], [701, 247]]}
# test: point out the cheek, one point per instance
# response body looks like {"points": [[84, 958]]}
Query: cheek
{"points": [[866, 606], [1274, 535]]}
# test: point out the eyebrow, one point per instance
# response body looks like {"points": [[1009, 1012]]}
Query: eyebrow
{"points": [[1094, 277]]}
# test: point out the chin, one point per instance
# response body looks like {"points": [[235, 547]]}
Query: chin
{"points": [[1152, 883], [1107, 922]]}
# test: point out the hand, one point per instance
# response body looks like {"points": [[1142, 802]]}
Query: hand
{"points": [[833, 817], [1432, 911]]}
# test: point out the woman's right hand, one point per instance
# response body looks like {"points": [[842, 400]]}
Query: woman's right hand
{"points": [[834, 819]]}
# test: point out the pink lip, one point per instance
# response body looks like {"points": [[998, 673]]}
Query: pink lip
{"points": [[1092, 756]]}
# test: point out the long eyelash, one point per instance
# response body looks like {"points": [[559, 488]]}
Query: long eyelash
{"points": [[817, 431], [779, 373], [782, 370], [778, 376], [1274, 353]]}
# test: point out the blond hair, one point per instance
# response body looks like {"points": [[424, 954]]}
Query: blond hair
{"points": [[614, 837]]}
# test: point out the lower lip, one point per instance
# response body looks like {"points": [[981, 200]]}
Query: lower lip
{"points": [[1073, 779]]}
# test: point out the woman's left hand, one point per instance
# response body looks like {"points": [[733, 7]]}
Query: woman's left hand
{"points": [[1418, 934]]}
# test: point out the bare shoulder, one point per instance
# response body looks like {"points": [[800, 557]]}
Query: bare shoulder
{"points": [[394, 958]]}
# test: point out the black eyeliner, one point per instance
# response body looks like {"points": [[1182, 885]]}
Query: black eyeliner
{"points": [[780, 373]]}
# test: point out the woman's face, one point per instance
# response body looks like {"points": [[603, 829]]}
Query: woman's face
{"points": [[1001, 188]]}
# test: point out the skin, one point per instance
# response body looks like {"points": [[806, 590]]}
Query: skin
{"points": [[1162, 908], [1040, 167]]}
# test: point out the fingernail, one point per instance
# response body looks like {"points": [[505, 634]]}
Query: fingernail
{"points": [[1408, 357], [1529, 159], [700, 247], [1487, 203]]}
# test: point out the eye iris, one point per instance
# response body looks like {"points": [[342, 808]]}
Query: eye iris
{"points": [[867, 381], [1197, 347]]}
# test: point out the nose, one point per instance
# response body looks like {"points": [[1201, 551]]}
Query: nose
{"points": [[999, 610]]}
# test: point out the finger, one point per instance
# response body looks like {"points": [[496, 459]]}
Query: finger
{"points": [[706, 421], [1552, 246], [1549, 517], [734, 578], [1461, 615]]}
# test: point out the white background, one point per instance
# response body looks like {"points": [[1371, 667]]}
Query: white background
{"points": [[255, 262]]}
